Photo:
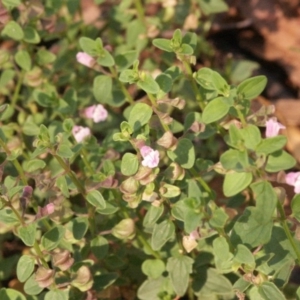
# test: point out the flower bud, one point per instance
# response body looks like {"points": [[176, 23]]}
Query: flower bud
{"points": [[124, 230], [189, 243], [44, 277], [133, 200], [45, 211], [145, 175], [96, 112], [167, 141], [175, 172], [169, 190], [129, 186], [85, 59], [34, 77], [62, 260], [25, 198], [83, 279], [80, 133]]}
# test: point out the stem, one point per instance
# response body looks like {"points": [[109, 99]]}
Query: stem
{"points": [[201, 181], [194, 85], [83, 155], [287, 230], [122, 86], [242, 118], [140, 10], [154, 104], [17, 89]]}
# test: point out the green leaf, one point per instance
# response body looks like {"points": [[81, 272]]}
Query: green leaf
{"points": [[52, 238], [105, 59], [223, 256], [252, 87], [233, 159], [45, 57], [44, 99], [6, 77], [235, 139], [13, 30], [25, 267], [129, 164], [150, 289], [162, 232], [153, 268], [243, 255], [163, 44], [265, 197], [295, 205], [99, 247], [108, 210], [57, 295], [251, 136], [27, 234], [186, 49], [91, 47], [78, 226], [10, 4], [148, 84], [33, 165], [23, 60], [139, 115], [152, 215], [31, 35], [280, 160], [219, 218], [8, 217], [31, 287], [165, 84], [236, 182], [125, 60], [269, 291], [102, 88], [11, 294], [252, 229], [184, 154], [61, 183], [64, 150], [213, 6], [96, 199], [270, 145], [215, 110], [179, 269]]}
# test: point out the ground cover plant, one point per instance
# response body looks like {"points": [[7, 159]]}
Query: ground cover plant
{"points": [[130, 167]]}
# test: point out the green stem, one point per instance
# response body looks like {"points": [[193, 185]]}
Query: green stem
{"points": [[201, 181], [17, 89], [194, 84], [83, 155], [122, 86], [140, 10], [154, 104], [15, 162], [241, 117], [287, 230]]}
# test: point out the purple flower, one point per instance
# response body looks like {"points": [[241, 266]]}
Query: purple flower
{"points": [[273, 127], [80, 133], [293, 178], [85, 59], [96, 112], [150, 156]]}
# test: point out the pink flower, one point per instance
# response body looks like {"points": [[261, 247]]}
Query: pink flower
{"points": [[293, 178], [80, 133], [150, 156], [85, 59], [273, 127], [96, 112]]}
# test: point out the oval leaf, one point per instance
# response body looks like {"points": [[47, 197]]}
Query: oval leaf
{"points": [[235, 183]]}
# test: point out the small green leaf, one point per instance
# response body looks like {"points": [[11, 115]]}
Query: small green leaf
{"points": [[27, 234], [223, 256], [129, 164], [61, 183], [125, 60], [165, 84], [99, 247], [23, 60], [244, 256], [236, 160], [162, 232], [270, 145], [78, 226], [105, 59], [179, 269], [215, 110], [251, 136], [52, 238], [152, 215], [10, 4], [213, 6], [13, 30], [153, 268], [295, 205], [25, 267], [139, 115], [148, 84], [6, 77], [11, 294], [33, 165], [57, 295], [45, 57], [252, 87], [31, 35], [219, 218], [102, 88], [44, 99], [184, 154], [236, 182], [96, 199], [150, 289], [31, 286], [280, 160], [8, 217], [163, 44], [269, 291]]}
